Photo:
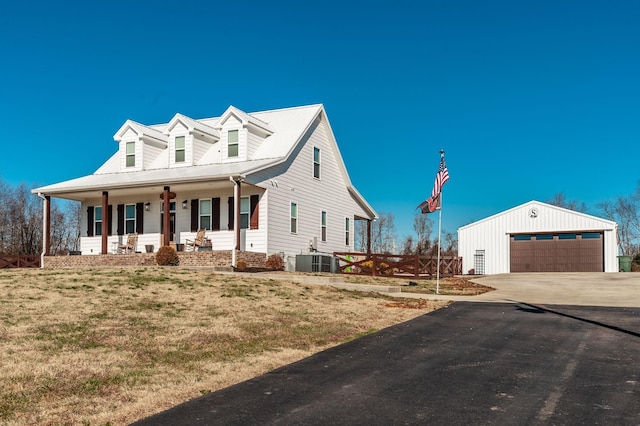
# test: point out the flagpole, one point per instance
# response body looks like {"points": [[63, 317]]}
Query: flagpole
{"points": [[439, 234]]}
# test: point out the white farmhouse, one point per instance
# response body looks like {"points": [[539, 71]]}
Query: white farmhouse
{"points": [[268, 182], [538, 237]]}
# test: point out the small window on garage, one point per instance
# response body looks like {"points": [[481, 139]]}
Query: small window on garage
{"points": [[522, 237], [590, 235], [567, 236], [544, 237]]}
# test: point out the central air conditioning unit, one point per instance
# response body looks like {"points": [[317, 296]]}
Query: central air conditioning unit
{"points": [[317, 263]]}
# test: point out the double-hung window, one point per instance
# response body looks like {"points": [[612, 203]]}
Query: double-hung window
{"points": [[324, 226], [232, 143], [316, 163], [131, 154], [347, 230], [205, 214], [180, 149], [130, 218], [294, 218], [97, 220], [244, 212]]}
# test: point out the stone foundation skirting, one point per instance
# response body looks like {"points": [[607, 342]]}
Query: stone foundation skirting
{"points": [[218, 259]]}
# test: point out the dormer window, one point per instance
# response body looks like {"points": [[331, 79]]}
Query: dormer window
{"points": [[180, 149], [232, 143], [131, 154]]}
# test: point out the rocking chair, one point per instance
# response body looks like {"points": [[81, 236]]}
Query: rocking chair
{"points": [[130, 245], [200, 239]]}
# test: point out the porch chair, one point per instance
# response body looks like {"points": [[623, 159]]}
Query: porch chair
{"points": [[130, 245], [200, 239]]}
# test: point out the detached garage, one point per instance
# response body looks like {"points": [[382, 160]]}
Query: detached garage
{"points": [[539, 237]]}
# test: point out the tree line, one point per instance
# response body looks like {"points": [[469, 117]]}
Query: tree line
{"points": [[624, 210], [21, 222]]}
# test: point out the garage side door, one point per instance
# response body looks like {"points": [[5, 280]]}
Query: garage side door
{"points": [[559, 252]]}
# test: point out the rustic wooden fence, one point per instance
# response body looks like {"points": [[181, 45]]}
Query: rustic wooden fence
{"points": [[19, 261], [400, 266]]}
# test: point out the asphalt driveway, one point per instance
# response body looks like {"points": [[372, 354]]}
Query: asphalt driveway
{"points": [[520, 362]]}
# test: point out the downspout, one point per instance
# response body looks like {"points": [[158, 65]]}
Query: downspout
{"points": [[44, 229]]}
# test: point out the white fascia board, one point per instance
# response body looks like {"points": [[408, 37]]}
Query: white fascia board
{"points": [[245, 118], [533, 203], [362, 203], [144, 178], [192, 126]]}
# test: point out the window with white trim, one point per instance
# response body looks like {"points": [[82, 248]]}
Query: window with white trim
{"points": [[244, 212], [294, 218], [130, 148], [347, 231], [232, 143], [324, 226], [316, 162], [97, 221], [130, 218], [205, 214], [180, 149]]}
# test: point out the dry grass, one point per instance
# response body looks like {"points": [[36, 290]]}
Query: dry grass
{"points": [[111, 346]]}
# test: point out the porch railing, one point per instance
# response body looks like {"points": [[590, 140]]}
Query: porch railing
{"points": [[19, 261], [401, 266]]}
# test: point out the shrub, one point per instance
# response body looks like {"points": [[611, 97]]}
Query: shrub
{"points": [[167, 256], [275, 262], [241, 265], [382, 267]]}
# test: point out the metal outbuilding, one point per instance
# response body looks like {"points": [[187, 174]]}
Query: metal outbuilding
{"points": [[538, 237]]}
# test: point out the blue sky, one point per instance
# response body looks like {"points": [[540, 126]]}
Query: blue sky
{"points": [[528, 99]]}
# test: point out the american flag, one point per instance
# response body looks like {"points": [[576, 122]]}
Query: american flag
{"points": [[441, 178], [432, 203]]}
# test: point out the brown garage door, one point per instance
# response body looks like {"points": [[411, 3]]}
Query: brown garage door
{"points": [[558, 252]]}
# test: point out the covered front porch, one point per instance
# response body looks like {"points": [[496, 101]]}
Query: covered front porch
{"points": [[228, 210]]}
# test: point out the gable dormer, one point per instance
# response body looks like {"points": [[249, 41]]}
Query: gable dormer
{"points": [[240, 134], [188, 140], [139, 145]]}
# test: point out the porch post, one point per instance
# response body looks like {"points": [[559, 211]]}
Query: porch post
{"points": [[46, 235], [237, 195], [166, 220], [105, 222], [368, 236]]}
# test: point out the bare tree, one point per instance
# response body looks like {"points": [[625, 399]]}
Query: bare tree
{"points": [[422, 225], [21, 222], [450, 244], [625, 212], [383, 237], [560, 200], [408, 245]]}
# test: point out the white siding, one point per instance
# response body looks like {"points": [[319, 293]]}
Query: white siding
{"points": [[253, 143], [232, 123], [294, 182], [180, 130], [492, 234], [130, 136], [255, 239]]}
